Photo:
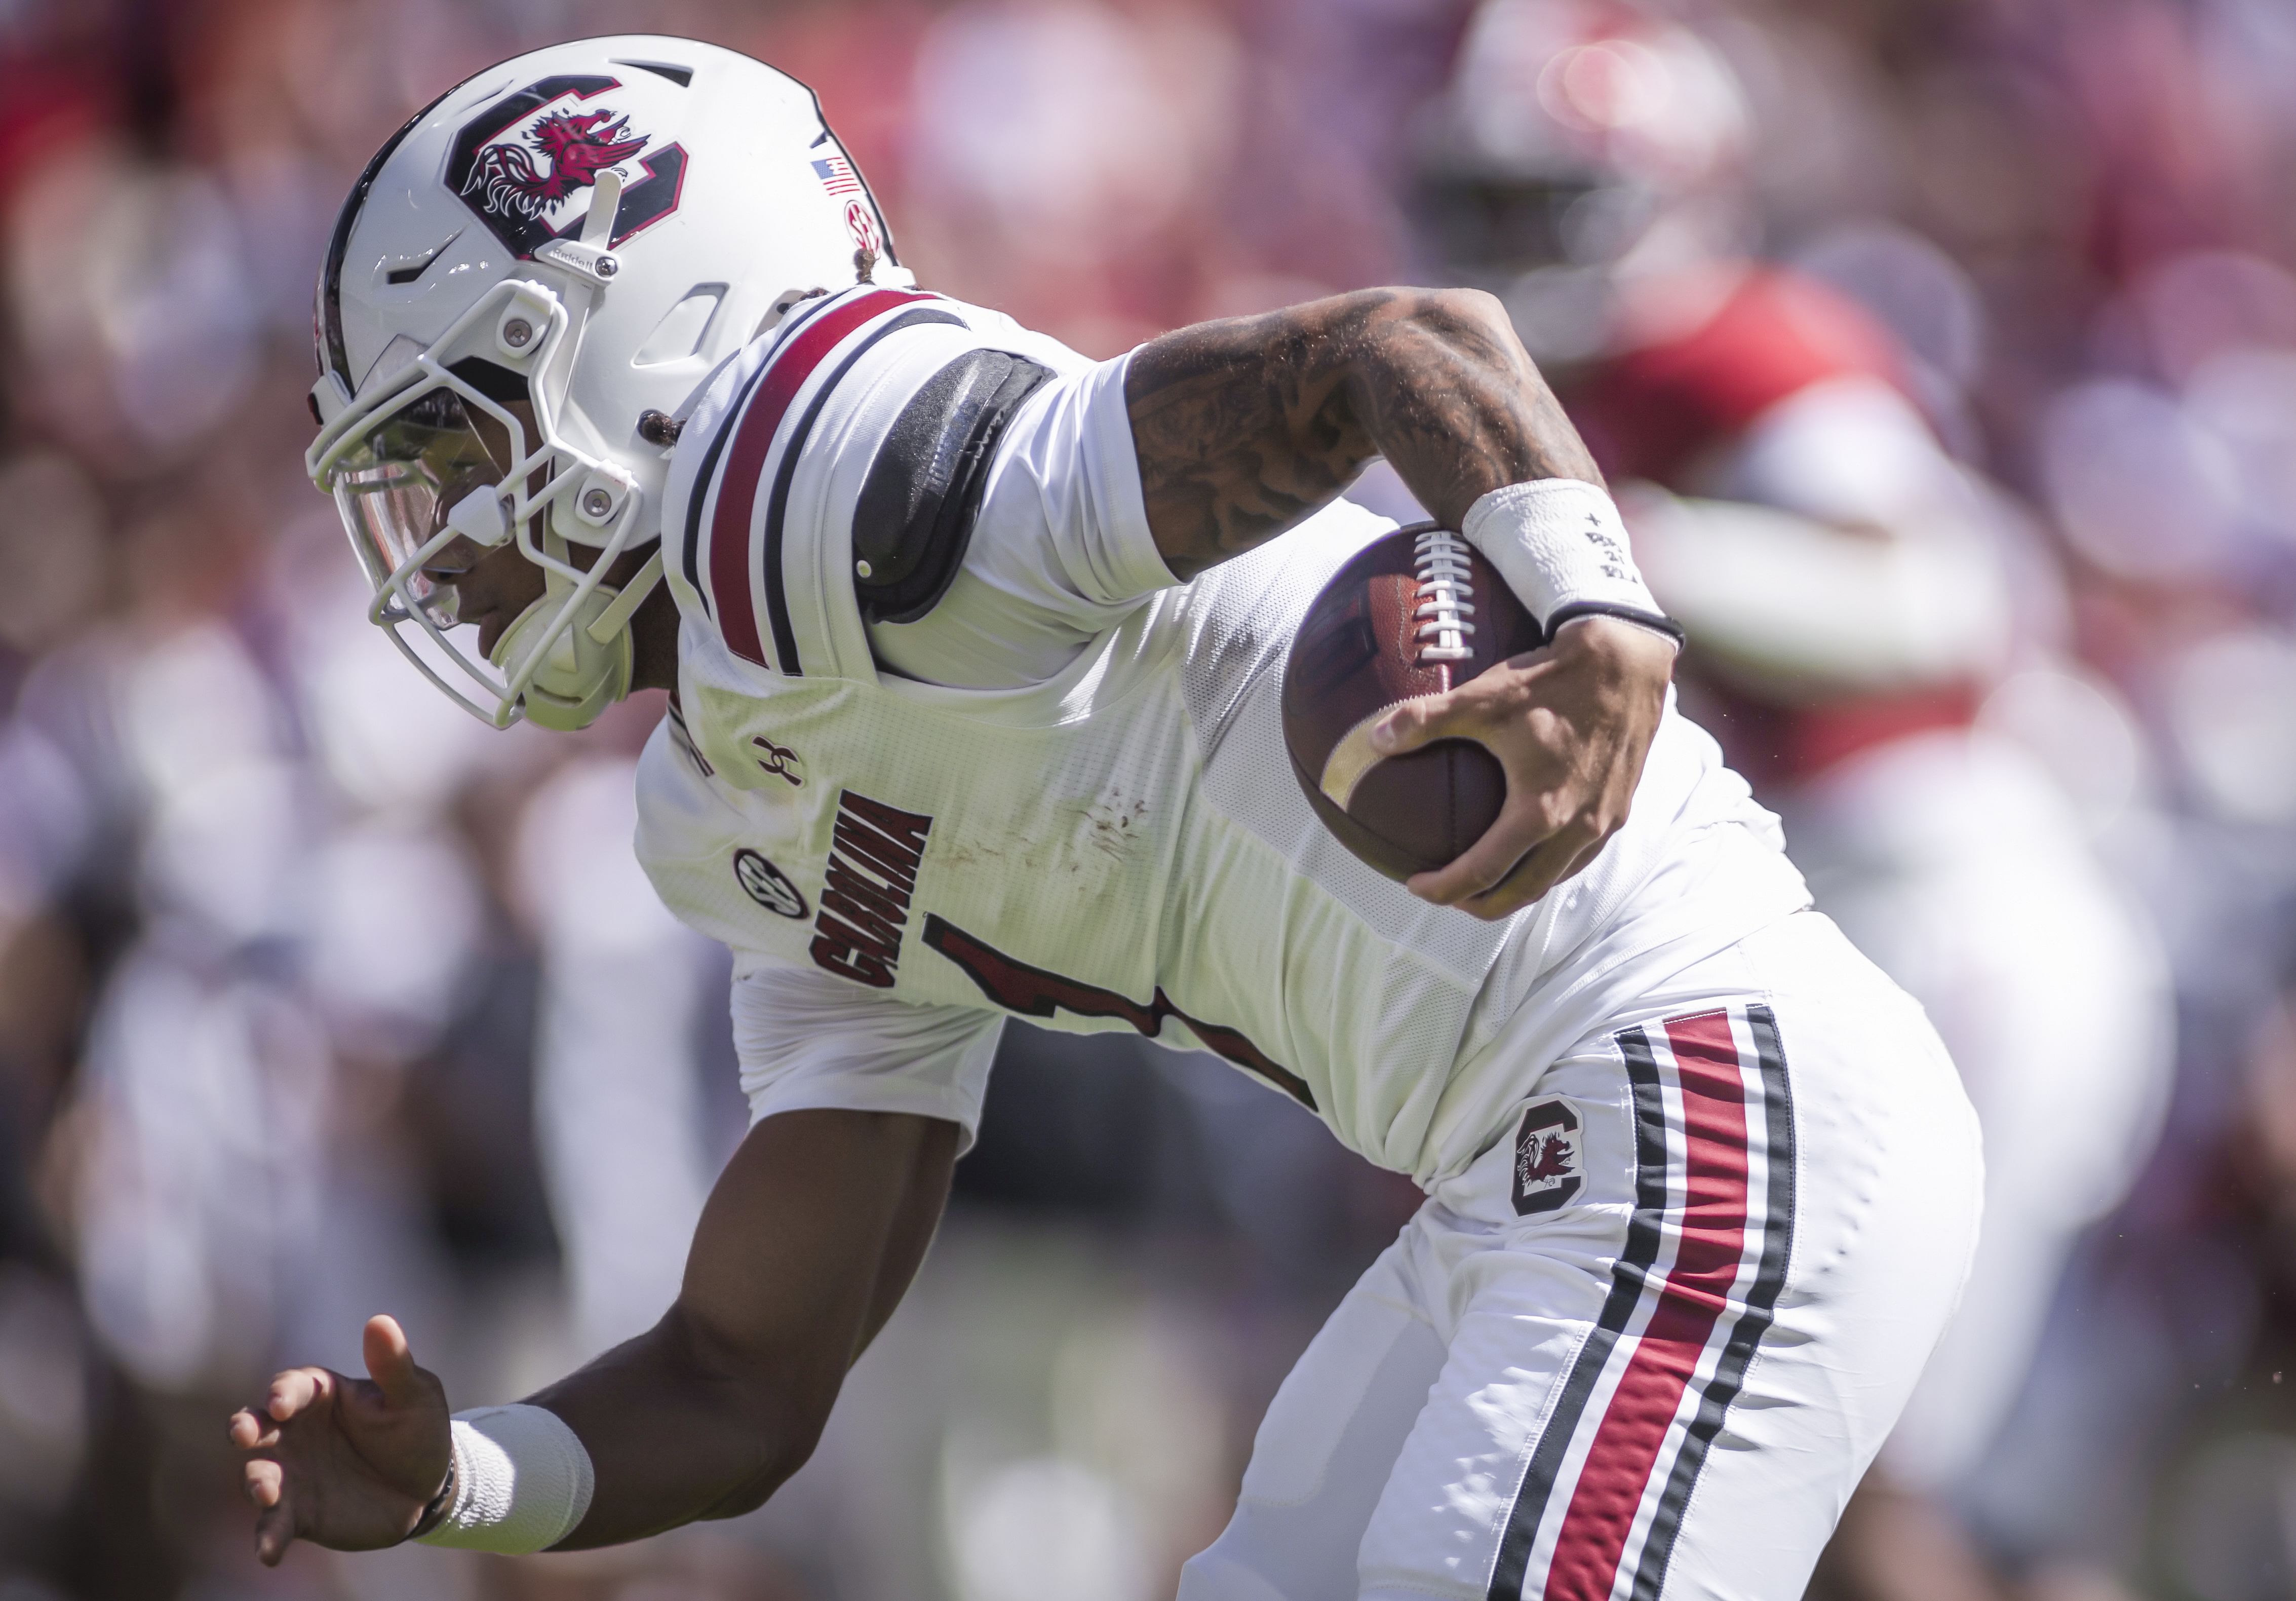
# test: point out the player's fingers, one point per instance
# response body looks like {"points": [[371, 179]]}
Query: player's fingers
{"points": [[265, 1481], [251, 1433], [1551, 863], [391, 1361], [297, 1388], [1483, 864], [1412, 723], [275, 1531], [1402, 727], [1516, 849], [1528, 818]]}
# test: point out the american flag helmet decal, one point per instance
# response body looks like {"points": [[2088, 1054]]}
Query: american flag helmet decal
{"points": [[837, 174]]}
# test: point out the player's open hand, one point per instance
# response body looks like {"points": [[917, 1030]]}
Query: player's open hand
{"points": [[343, 1462], [1570, 723]]}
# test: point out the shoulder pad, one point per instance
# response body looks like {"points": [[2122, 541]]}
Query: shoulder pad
{"points": [[915, 516], [746, 441]]}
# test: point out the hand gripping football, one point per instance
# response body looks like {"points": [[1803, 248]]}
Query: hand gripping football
{"points": [[1415, 612]]}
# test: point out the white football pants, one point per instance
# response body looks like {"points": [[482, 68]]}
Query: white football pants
{"points": [[1646, 1345]]}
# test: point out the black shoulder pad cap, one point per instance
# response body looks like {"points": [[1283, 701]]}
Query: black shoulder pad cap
{"points": [[918, 505]]}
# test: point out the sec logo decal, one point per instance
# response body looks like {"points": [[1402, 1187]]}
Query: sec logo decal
{"points": [[1549, 1167], [768, 884]]}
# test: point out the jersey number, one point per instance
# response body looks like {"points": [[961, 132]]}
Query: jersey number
{"points": [[1033, 992]]}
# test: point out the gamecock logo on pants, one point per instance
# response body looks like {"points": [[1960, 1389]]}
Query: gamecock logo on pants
{"points": [[1549, 1171]]}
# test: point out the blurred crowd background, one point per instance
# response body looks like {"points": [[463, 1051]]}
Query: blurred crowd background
{"points": [[317, 998]]}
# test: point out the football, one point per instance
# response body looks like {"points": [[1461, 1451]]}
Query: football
{"points": [[1416, 612]]}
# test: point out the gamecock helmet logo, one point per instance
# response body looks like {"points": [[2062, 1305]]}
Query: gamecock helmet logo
{"points": [[576, 148], [519, 163]]}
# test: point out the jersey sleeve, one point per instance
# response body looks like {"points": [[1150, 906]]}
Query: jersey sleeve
{"points": [[807, 1042], [896, 481], [1061, 550]]}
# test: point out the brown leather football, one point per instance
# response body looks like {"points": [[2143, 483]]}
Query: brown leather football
{"points": [[1416, 612]]}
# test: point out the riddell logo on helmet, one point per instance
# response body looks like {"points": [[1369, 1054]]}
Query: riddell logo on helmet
{"points": [[527, 163]]}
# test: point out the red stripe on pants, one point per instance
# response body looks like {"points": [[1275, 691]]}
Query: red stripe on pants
{"points": [[1634, 1428], [745, 462]]}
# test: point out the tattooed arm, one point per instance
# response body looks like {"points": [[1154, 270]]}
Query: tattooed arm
{"points": [[1245, 427]]}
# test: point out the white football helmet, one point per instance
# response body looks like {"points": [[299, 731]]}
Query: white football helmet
{"points": [[526, 287]]}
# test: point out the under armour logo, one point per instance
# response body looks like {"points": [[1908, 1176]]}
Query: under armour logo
{"points": [[780, 761]]}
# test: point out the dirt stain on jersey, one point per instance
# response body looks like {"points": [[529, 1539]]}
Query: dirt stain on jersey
{"points": [[1113, 822], [1107, 831]]}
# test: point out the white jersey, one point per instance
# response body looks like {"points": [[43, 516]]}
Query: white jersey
{"points": [[1119, 843]]}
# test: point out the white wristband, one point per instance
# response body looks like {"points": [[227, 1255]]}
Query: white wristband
{"points": [[522, 1481], [1558, 543]]}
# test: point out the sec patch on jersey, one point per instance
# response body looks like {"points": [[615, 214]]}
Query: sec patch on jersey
{"points": [[1416, 612]]}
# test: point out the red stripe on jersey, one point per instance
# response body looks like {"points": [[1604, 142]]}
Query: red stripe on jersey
{"points": [[1616, 1478], [745, 462]]}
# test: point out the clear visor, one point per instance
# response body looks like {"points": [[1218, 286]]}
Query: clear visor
{"points": [[429, 476], [398, 481]]}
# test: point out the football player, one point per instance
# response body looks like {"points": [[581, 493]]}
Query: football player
{"points": [[975, 649]]}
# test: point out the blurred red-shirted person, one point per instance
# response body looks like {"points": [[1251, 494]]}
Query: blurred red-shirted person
{"points": [[1844, 585]]}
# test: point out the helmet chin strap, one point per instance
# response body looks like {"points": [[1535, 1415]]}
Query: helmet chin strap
{"points": [[616, 617], [588, 666]]}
